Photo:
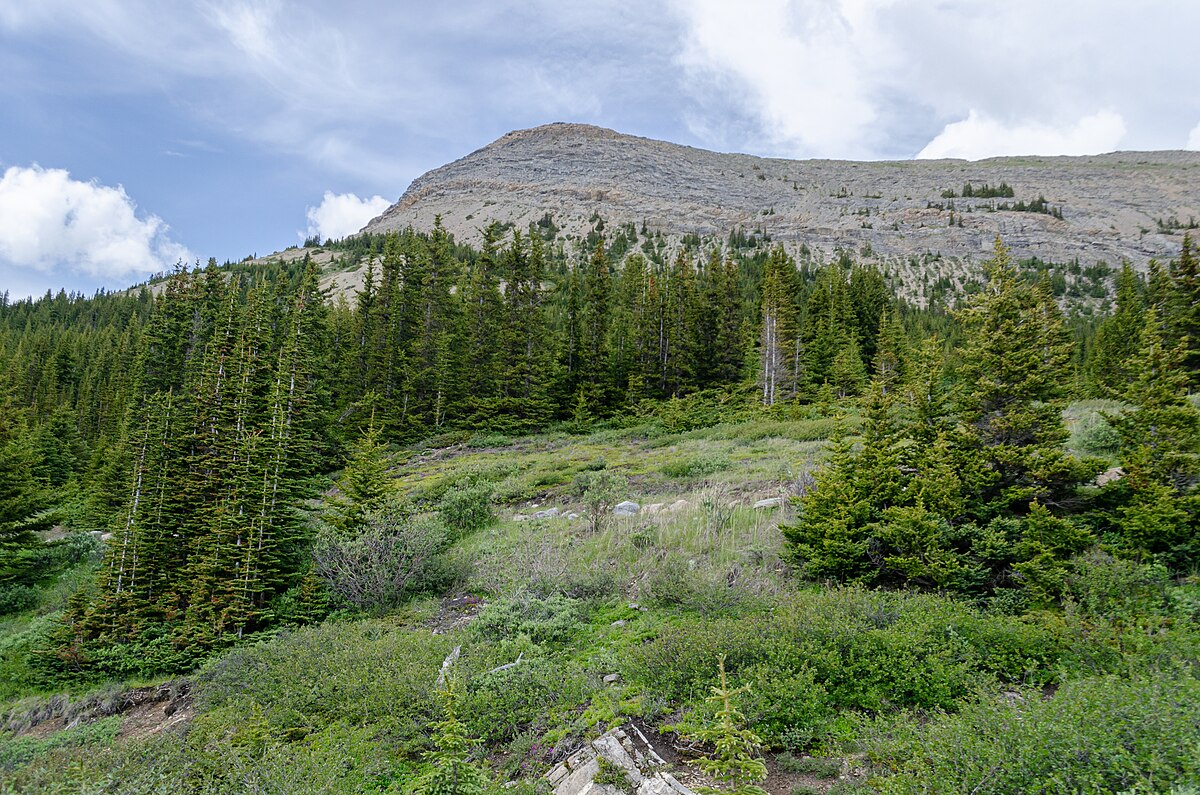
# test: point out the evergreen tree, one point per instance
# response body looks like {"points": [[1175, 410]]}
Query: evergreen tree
{"points": [[1185, 273], [735, 763], [1011, 388], [1111, 359], [451, 771], [363, 485], [779, 344], [24, 501], [1160, 446]]}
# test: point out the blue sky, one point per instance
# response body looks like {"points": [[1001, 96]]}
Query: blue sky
{"points": [[136, 133]]}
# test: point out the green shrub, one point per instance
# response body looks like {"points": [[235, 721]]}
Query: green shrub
{"points": [[1094, 735], [697, 466], [600, 491], [467, 508], [363, 673], [553, 619], [818, 653], [824, 768], [1094, 436], [531, 694], [18, 750], [18, 598], [395, 555]]}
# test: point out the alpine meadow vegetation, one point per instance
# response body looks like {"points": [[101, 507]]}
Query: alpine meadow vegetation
{"points": [[257, 537]]}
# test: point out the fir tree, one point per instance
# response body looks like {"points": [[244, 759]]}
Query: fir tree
{"points": [[735, 763], [451, 771], [1011, 388]]}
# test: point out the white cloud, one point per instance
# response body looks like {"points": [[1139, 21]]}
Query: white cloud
{"points": [[51, 222], [803, 66], [342, 214], [1193, 141], [884, 78], [979, 136]]}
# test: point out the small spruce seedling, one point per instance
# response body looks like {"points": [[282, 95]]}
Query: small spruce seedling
{"points": [[734, 762]]}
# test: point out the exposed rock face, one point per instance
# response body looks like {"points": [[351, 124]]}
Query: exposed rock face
{"points": [[1111, 204], [629, 752]]}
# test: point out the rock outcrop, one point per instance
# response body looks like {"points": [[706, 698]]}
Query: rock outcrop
{"points": [[1114, 207], [615, 754]]}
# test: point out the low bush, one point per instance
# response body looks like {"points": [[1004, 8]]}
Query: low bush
{"points": [[845, 649], [696, 466], [1094, 735], [467, 508], [395, 555], [552, 619]]}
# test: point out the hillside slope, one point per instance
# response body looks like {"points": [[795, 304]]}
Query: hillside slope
{"points": [[1126, 205]]}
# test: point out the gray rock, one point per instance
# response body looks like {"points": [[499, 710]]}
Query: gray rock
{"points": [[572, 516], [1109, 476], [629, 750], [626, 508], [891, 209], [770, 502], [620, 622], [612, 679], [549, 513], [678, 505], [520, 517], [653, 508]]}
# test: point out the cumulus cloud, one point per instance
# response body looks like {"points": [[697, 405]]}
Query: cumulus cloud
{"points": [[342, 214], [1193, 141], [885, 78], [801, 64], [979, 136], [50, 222]]}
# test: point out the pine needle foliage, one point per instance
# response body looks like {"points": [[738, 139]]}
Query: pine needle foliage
{"points": [[451, 770], [734, 762]]}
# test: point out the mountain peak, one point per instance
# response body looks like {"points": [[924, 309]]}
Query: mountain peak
{"points": [[1061, 209]]}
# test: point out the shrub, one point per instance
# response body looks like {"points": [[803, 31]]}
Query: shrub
{"points": [[600, 491], [1094, 436], [467, 508], [697, 466], [376, 568], [1094, 735], [549, 620]]}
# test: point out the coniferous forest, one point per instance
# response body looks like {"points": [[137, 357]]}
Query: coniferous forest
{"points": [[978, 572]]}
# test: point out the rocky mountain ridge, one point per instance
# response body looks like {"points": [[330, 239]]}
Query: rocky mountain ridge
{"points": [[1104, 208]]}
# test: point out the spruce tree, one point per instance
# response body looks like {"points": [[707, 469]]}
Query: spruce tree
{"points": [[24, 501], [1160, 453], [735, 763], [1011, 389], [779, 342]]}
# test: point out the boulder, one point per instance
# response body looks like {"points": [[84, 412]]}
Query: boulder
{"points": [[653, 508], [626, 508], [627, 749], [549, 513], [678, 505]]}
